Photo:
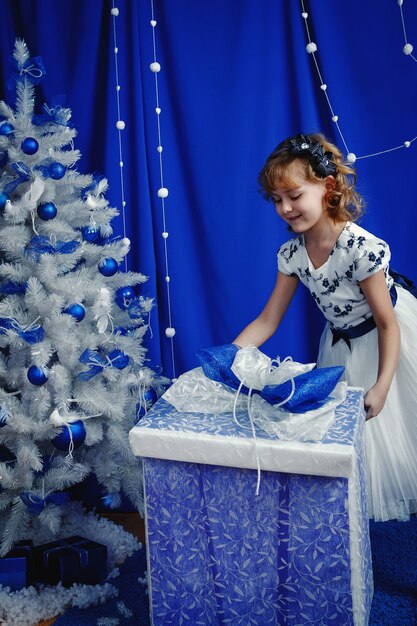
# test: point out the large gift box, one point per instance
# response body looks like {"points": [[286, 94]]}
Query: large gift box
{"points": [[246, 527]]}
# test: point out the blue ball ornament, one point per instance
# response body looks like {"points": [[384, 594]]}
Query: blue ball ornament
{"points": [[77, 311], [142, 407], [124, 297], [37, 375], [6, 128], [107, 267], [74, 431], [47, 211], [90, 233], [3, 199], [150, 396], [57, 170], [29, 145]]}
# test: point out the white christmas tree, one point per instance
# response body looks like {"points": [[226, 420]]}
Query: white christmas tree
{"points": [[72, 363]]}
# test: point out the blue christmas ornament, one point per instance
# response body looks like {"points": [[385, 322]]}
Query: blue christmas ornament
{"points": [[73, 431], [150, 396], [6, 128], [118, 359], [3, 199], [90, 233], [124, 297], [36, 375], [57, 170], [107, 267], [29, 145], [147, 400], [76, 310], [47, 211]]}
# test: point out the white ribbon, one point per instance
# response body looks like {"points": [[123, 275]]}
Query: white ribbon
{"points": [[256, 370]]}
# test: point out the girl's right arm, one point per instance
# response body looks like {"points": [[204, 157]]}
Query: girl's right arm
{"points": [[264, 326]]}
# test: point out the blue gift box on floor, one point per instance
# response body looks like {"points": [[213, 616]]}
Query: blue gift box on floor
{"points": [[71, 560], [16, 568], [296, 554]]}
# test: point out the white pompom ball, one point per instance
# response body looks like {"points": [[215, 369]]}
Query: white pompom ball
{"points": [[157, 110], [408, 48], [165, 234], [407, 144], [55, 418], [126, 241], [120, 125], [400, 2], [351, 157], [323, 87], [311, 47], [118, 88], [91, 201], [159, 148], [121, 164], [153, 23], [304, 15], [116, 50], [115, 11], [163, 192], [170, 332], [155, 67], [335, 118], [167, 279]]}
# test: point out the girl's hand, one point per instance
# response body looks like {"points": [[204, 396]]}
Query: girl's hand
{"points": [[374, 401]]}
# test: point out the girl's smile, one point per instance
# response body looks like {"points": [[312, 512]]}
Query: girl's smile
{"points": [[301, 203]]}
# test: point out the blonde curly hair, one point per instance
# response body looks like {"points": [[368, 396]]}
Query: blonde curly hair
{"points": [[343, 202]]}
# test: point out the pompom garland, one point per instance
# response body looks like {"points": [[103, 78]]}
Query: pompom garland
{"points": [[311, 48]]}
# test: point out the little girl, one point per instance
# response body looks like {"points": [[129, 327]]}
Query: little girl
{"points": [[371, 319]]}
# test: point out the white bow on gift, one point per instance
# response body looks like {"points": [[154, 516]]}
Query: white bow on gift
{"points": [[256, 370]]}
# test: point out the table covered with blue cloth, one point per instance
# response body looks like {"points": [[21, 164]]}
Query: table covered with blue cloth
{"points": [[296, 554]]}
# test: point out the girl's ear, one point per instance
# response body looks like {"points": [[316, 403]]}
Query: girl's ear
{"points": [[329, 183]]}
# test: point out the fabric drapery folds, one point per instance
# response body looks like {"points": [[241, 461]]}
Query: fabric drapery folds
{"points": [[291, 400]]}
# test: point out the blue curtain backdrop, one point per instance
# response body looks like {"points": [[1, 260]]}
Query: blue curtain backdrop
{"points": [[235, 80]]}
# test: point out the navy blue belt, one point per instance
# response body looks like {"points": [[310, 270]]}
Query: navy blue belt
{"points": [[369, 324]]}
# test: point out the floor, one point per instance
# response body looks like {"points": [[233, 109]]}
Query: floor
{"points": [[132, 522]]}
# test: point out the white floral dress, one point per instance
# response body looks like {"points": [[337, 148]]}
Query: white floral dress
{"points": [[391, 437]]}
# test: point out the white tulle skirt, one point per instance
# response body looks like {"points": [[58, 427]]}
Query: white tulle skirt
{"points": [[391, 437]]}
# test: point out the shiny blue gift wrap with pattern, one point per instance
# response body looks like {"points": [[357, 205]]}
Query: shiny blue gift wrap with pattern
{"points": [[296, 554]]}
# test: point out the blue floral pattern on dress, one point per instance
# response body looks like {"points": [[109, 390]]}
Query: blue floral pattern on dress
{"points": [[335, 286]]}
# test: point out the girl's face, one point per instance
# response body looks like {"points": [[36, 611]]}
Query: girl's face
{"points": [[300, 202]]}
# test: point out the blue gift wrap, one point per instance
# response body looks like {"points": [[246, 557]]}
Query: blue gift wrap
{"points": [[16, 568], [296, 554], [71, 560]]}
